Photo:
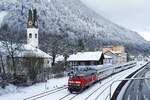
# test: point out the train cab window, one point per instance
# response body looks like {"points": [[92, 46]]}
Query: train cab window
{"points": [[101, 72], [93, 73], [76, 77], [82, 63], [92, 63]]}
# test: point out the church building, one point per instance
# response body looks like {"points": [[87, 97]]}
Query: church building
{"points": [[29, 60]]}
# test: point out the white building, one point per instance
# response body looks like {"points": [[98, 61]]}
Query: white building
{"points": [[117, 52], [108, 59], [117, 58]]}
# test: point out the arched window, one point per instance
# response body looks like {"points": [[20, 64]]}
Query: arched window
{"points": [[30, 35], [35, 35]]}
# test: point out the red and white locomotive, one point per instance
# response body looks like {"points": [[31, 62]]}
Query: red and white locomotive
{"points": [[81, 77]]}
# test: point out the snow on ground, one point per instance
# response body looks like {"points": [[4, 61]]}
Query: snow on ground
{"points": [[8, 89], [21, 93], [14, 93]]}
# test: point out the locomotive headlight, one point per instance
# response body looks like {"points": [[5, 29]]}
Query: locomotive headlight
{"points": [[78, 84], [71, 76]]}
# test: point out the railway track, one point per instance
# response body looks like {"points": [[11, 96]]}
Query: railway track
{"points": [[103, 90], [65, 96], [43, 94], [72, 96], [106, 97]]}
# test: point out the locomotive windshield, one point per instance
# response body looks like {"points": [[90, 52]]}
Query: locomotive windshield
{"points": [[82, 71]]}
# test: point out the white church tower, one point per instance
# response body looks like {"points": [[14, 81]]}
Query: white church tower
{"points": [[32, 29]]}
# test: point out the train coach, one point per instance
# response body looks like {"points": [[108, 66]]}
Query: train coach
{"points": [[82, 77]]}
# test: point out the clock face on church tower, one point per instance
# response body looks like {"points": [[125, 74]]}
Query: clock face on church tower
{"points": [[30, 23]]}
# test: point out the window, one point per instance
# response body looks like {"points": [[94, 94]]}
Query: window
{"points": [[92, 63], [82, 63], [35, 35], [30, 35], [47, 61]]}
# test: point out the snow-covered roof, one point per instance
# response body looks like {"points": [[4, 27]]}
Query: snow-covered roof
{"points": [[85, 56], [26, 50], [107, 57], [59, 58], [115, 52]]}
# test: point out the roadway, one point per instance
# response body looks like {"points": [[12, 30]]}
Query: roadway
{"points": [[139, 89]]}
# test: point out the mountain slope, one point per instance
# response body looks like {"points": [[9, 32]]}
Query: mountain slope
{"points": [[69, 17]]}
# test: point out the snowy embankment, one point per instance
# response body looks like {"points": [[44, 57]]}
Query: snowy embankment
{"points": [[15, 93], [125, 86], [139, 65], [147, 81]]}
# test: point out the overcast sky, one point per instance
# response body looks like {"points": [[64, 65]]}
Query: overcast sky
{"points": [[132, 14]]}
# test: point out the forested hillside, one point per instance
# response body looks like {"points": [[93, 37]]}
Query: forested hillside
{"points": [[67, 26]]}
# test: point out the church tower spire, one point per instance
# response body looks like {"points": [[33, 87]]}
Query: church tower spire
{"points": [[30, 19], [35, 21], [32, 29]]}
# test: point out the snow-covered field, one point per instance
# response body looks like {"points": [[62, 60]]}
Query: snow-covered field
{"points": [[14, 93]]}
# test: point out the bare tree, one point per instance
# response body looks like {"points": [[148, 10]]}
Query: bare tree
{"points": [[2, 66], [53, 44], [35, 67], [3, 71], [11, 44]]}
